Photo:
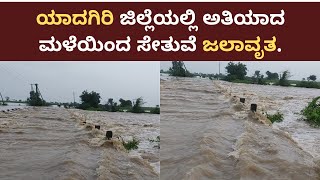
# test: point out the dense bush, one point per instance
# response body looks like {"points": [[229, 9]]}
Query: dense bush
{"points": [[311, 113], [308, 84], [155, 110], [277, 117], [131, 145]]}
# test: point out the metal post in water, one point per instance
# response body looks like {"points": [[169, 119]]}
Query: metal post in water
{"points": [[109, 134], [254, 107], [97, 126], [242, 100]]}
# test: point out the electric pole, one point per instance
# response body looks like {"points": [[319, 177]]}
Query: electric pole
{"points": [[74, 99], [37, 90], [2, 99], [219, 71]]}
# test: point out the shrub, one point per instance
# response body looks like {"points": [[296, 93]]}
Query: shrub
{"points": [[155, 110], [277, 117], [309, 84], [312, 112], [131, 145]]}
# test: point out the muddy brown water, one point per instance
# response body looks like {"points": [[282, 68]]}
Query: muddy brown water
{"points": [[52, 143], [206, 133]]}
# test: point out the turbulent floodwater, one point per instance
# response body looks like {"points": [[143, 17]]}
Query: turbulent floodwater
{"points": [[54, 143], [12, 106], [208, 134]]}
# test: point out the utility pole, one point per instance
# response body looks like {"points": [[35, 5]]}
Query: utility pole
{"points": [[219, 71], [2, 99], [74, 99], [37, 90]]}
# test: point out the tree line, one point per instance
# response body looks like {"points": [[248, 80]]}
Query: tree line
{"points": [[92, 101], [237, 72]]}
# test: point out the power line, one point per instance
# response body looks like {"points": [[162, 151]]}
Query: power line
{"points": [[18, 76]]}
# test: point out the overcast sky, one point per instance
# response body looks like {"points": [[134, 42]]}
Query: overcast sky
{"points": [[298, 69], [58, 80]]}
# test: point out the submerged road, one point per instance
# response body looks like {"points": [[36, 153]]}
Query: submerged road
{"points": [[206, 135]]}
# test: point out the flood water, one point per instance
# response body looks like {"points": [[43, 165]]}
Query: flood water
{"points": [[208, 134], [54, 143], [10, 106]]}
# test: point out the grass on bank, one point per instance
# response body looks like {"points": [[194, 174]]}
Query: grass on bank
{"points": [[277, 117], [311, 113], [131, 144]]}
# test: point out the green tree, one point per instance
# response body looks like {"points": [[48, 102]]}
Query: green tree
{"points": [[257, 74], [125, 103], [137, 106], [89, 100], [312, 78], [272, 76], [284, 79], [35, 99], [236, 71], [258, 78], [179, 69], [111, 106]]}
